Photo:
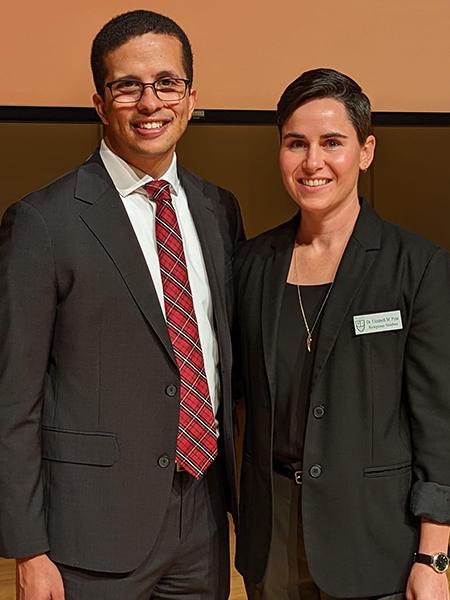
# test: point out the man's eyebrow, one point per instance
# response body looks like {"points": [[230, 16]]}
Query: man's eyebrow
{"points": [[160, 75], [170, 74], [127, 77]]}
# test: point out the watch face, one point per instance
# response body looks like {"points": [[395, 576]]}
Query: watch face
{"points": [[441, 562]]}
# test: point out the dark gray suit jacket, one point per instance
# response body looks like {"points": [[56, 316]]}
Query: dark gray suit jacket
{"points": [[88, 414], [377, 450]]}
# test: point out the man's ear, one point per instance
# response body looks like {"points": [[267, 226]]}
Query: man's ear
{"points": [[99, 105], [192, 101]]}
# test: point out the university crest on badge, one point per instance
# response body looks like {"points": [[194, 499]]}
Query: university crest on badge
{"points": [[360, 324]]}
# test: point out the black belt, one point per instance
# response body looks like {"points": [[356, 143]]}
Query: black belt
{"points": [[288, 471]]}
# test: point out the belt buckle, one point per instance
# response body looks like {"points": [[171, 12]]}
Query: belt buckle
{"points": [[298, 475]]}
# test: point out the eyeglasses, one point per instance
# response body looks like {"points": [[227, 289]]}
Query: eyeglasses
{"points": [[167, 89]]}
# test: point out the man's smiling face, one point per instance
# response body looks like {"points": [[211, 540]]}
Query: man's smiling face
{"points": [[145, 133]]}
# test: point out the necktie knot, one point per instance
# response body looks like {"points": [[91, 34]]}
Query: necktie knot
{"points": [[158, 190]]}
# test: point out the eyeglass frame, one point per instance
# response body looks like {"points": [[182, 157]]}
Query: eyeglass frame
{"points": [[187, 83]]}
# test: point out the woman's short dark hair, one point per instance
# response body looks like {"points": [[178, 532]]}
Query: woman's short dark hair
{"points": [[129, 25], [327, 83]]}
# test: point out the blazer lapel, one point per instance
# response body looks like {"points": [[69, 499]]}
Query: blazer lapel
{"points": [[353, 270], [276, 268], [104, 214]]}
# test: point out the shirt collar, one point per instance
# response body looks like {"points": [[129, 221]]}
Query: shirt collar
{"points": [[128, 179]]}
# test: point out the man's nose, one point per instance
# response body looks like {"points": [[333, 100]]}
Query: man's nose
{"points": [[149, 100]]}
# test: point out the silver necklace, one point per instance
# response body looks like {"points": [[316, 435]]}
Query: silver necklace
{"points": [[308, 330]]}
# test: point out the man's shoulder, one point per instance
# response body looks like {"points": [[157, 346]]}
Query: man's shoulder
{"points": [[52, 191], [192, 181], [279, 237], [63, 188]]}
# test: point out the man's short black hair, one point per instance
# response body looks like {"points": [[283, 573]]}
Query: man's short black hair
{"points": [[327, 83], [129, 25]]}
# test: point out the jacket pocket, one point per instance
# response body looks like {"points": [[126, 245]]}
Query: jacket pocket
{"points": [[81, 447], [388, 470]]}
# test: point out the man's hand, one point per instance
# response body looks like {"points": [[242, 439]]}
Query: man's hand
{"points": [[426, 584], [38, 579]]}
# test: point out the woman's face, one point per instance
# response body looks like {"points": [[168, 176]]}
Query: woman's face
{"points": [[320, 157]]}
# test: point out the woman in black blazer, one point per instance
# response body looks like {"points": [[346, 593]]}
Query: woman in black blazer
{"points": [[343, 323]]}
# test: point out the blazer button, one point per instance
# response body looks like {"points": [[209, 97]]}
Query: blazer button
{"points": [[315, 471], [164, 461], [319, 411], [171, 390]]}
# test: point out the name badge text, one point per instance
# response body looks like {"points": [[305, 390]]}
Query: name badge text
{"points": [[377, 322]]}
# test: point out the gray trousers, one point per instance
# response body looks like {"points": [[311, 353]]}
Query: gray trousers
{"points": [[287, 575], [190, 559]]}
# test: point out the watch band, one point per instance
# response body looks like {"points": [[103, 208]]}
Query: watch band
{"points": [[439, 561]]}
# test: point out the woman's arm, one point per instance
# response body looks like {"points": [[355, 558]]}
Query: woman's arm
{"points": [[423, 582]]}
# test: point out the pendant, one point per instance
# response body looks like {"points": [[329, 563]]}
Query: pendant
{"points": [[309, 342]]}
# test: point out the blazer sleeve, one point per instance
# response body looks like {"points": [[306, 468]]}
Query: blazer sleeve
{"points": [[27, 312], [427, 380]]}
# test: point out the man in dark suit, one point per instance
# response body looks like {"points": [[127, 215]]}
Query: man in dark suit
{"points": [[116, 451]]}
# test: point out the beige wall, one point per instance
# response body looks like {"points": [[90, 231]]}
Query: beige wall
{"points": [[405, 184], [246, 51]]}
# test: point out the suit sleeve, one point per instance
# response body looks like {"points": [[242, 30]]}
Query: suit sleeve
{"points": [[27, 313], [427, 373], [240, 232], [233, 219]]}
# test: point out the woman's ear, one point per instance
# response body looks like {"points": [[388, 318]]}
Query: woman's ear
{"points": [[367, 153]]}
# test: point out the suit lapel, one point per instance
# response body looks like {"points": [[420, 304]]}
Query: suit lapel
{"points": [[276, 268], [103, 212], [205, 221], [356, 262]]}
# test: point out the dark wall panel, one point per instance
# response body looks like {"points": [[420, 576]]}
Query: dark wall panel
{"points": [[410, 183], [244, 159], [406, 184], [32, 154]]}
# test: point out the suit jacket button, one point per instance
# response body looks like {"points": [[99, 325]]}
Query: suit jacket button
{"points": [[164, 461], [171, 390], [319, 411], [315, 471]]}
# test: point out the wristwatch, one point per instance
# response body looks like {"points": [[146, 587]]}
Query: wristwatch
{"points": [[439, 561]]}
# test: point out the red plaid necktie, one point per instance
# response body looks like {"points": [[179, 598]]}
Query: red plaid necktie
{"points": [[197, 440]]}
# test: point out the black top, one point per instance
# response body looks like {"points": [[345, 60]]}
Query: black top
{"points": [[294, 369]]}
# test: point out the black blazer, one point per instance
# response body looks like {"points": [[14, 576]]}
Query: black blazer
{"points": [[377, 450], [88, 415]]}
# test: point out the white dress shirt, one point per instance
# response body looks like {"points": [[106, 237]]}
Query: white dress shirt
{"points": [[129, 182]]}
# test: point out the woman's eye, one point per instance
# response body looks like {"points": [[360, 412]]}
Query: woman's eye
{"points": [[332, 143], [297, 145]]}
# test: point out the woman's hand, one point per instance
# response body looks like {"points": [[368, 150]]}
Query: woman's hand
{"points": [[425, 584]]}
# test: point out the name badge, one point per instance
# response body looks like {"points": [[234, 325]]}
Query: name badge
{"points": [[377, 322]]}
